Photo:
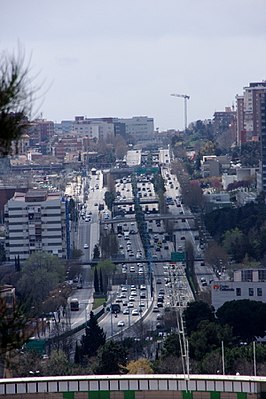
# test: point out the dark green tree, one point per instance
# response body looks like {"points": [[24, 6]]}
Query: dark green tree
{"points": [[93, 339], [235, 243], [17, 264], [111, 358], [96, 252], [11, 327], [101, 281], [77, 356], [96, 281], [207, 338], [247, 318], [72, 210], [171, 346], [195, 313], [109, 198]]}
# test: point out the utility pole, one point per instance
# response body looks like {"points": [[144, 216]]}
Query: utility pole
{"points": [[175, 273], [185, 97]]}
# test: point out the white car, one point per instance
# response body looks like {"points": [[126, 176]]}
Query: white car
{"points": [[86, 246], [121, 323], [126, 311], [135, 312], [130, 305]]}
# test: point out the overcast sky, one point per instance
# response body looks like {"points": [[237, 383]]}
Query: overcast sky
{"points": [[124, 58]]}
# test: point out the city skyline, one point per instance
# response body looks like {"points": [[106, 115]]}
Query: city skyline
{"points": [[122, 59]]}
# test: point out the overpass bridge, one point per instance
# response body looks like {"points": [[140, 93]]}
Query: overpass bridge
{"points": [[149, 386], [142, 201], [154, 216]]}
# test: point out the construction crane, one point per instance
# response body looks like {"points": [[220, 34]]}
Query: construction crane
{"points": [[185, 97]]}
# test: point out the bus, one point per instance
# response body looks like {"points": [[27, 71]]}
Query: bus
{"points": [[74, 304]]}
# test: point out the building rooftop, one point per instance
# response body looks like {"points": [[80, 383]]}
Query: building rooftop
{"points": [[36, 196]]}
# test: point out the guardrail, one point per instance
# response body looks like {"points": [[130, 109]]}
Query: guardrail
{"points": [[148, 386]]}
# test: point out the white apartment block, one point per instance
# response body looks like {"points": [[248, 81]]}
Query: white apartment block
{"points": [[35, 221], [140, 127], [87, 130], [93, 128]]}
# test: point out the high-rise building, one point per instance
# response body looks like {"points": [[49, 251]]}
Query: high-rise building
{"points": [[240, 132], [248, 112], [261, 175], [35, 221]]}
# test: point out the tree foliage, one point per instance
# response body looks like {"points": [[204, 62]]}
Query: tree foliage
{"points": [[93, 338], [195, 313], [11, 327], [247, 318], [171, 346], [111, 358], [96, 280], [235, 243], [39, 275], [241, 230], [58, 364], [139, 366], [207, 338], [109, 198], [16, 99], [96, 252]]}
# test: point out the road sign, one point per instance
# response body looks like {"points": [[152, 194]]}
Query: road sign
{"points": [[38, 345], [178, 256]]}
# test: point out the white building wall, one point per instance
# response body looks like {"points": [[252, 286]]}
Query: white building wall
{"points": [[35, 226], [227, 179], [88, 129], [139, 126], [224, 291]]}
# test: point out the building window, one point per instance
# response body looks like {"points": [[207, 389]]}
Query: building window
{"points": [[259, 291], [238, 291], [251, 291], [262, 275], [247, 275]]}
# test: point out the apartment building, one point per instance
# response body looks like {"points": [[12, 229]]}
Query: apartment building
{"points": [[66, 145], [138, 127], [248, 112], [210, 166], [261, 176], [225, 120], [94, 128], [36, 221]]}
